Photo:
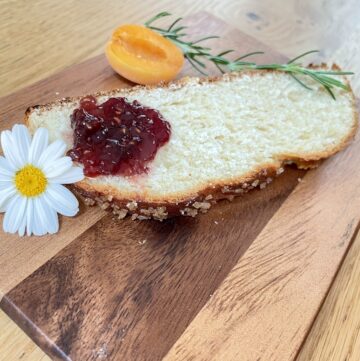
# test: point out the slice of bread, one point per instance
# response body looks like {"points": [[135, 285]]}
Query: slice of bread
{"points": [[229, 135]]}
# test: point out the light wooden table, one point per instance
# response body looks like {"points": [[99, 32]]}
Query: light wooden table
{"points": [[40, 37]]}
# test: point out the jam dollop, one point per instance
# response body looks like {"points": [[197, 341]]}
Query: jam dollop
{"points": [[116, 137]]}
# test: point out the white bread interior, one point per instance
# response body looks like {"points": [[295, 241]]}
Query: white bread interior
{"points": [[223, 131]]}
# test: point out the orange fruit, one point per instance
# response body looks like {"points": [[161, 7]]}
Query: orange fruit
{"points": [[142, 55]]}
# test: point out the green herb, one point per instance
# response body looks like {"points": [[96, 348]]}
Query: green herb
{"points": [[198, 55]]}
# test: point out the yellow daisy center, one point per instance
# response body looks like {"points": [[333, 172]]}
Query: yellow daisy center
{"points": [[30, 181]]}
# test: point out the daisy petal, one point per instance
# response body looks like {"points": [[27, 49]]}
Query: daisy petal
{"points": [[54, 151], [30, 217], [38, 145], [3, 207], [5, 194], [10, 149], [39, 224], [14, 214], [53, 219], [57, 167], [22, 227], [73, 175], [22, 139], [6, 168], [46, 217], [61, 199], [4, 178]]}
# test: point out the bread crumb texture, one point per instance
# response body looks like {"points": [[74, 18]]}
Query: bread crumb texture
{"points": [[227, 134]]}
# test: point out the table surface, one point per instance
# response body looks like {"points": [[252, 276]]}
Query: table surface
{"points": [[41, 37]]}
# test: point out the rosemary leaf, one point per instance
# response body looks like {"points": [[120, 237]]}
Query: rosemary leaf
{"points": [[300, 82], [302, 55], [193, 51], [249, 54]]}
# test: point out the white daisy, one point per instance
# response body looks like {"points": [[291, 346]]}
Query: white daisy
{"points": [[31, 177]]}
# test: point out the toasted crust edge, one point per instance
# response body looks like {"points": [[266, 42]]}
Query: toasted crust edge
{"points": [[195, 201]]}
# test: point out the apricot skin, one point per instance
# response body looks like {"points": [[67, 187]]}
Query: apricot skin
{"points": [[143, 56]]}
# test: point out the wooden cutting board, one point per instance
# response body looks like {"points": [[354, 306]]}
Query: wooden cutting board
{"points": [[243, 282]]}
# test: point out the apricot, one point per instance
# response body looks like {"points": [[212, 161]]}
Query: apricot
{"points": [[143, 56]]}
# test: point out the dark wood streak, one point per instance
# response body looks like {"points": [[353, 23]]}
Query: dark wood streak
{"points": [[106, 295], [348, 232]]}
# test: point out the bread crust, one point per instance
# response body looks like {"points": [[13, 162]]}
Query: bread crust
{"points": [[199, 200]]}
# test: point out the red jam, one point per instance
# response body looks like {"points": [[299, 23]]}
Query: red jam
{"points": [[116, 137]]}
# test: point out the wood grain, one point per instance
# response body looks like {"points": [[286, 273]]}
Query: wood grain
{"points": [[108, 292], [291, 27], [74, 81], [335, 334], [269, 299], [164, 283], [19, 346], [19, 257], [67, 32]]}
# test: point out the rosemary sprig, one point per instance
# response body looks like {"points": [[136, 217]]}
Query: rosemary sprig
{"points": [[198, 55]]}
